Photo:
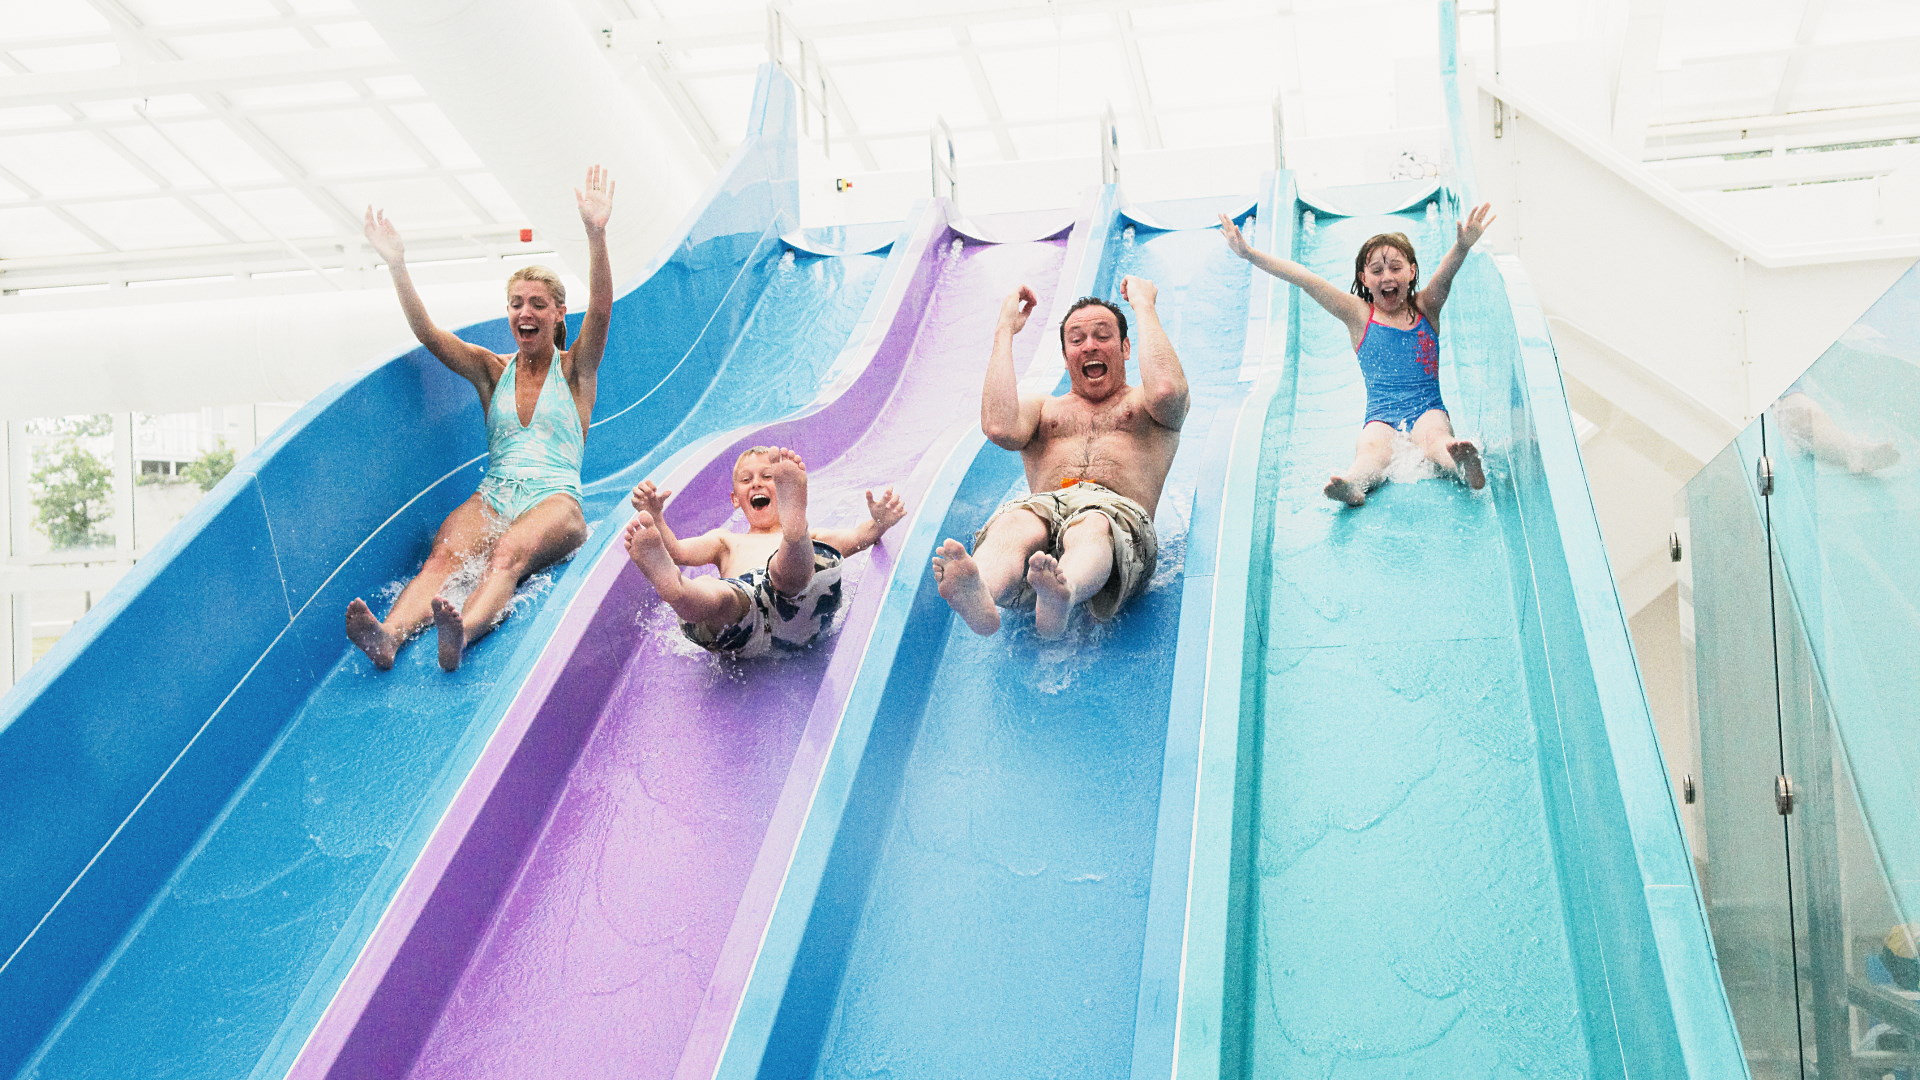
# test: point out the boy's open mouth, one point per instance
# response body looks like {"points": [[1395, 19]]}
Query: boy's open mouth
{"points": [[760, 502]]}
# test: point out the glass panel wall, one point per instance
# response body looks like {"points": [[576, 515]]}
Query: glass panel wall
{"points": [[1805, 583]]}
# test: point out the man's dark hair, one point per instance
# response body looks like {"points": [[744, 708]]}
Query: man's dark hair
{"points": [[1091, 301]]}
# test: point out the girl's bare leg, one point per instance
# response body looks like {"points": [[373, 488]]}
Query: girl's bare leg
{"points": [[536, 540], [1370, 456], [461, 536], [1433, 433]]}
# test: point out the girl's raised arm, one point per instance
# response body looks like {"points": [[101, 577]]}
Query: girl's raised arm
{"points": [[1434, 296], [1344, 306], [471, 362]]}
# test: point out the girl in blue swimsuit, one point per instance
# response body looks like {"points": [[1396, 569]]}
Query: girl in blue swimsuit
{"points": [[1392, 321], [538, 402]]}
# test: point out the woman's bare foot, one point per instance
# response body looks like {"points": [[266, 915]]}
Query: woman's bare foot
{"points": [[964, 592], [453, 633], [1340, 489], [1052, 597], [1466, 462], [789, 492], [365, 631]]}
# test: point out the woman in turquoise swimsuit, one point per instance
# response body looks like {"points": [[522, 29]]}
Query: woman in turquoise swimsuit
{"points": [[526, 514]]}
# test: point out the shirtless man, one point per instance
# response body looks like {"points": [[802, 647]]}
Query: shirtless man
{"points": [[1096, 459]]}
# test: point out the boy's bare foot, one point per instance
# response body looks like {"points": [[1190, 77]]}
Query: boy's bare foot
{"points": [[1340, 489], [1873, 457], [453, 633], [649, 552], [365, 631], [1052, 599], [964, 592], [789, 492], [1466, 461]]}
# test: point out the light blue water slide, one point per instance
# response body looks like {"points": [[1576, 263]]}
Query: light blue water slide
{"points": [[209, 796], [1433, 833]]}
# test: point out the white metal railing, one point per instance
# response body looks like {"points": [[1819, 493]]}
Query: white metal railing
{"points": [[1492, 11], [1279, 135], [804, 68], [1109, 148], [945, 164]]}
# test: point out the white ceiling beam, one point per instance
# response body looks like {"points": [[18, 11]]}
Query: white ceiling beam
{"points": [[424, 245], [194, 191], [116, 123], [983, 89], [289, 20], [1137, 75], [196, 76], [1635, 81], [1811, 12], [1890, 43], [858, 19]]}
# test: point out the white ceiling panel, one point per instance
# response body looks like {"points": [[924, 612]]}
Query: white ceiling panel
{"points": [[412, 204], [436, 133], [286, 211], [193, 12], [216, 148], [135, 224], [492, 198], [30, 231], [340, 142], [150, 147], [66, 164], [92, 57], [32, 116], [238, 43], [270, 97]]}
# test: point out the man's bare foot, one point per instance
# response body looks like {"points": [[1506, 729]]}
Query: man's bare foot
{"points": [[964, 592], [453, 633], [1052, 598], [365, 631], [1466, 461], [1872, 457], [1340, 489], [789, 492]]}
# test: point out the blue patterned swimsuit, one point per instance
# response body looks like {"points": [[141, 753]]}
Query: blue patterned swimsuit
{"points": [[1402, 371], [527, 463]]}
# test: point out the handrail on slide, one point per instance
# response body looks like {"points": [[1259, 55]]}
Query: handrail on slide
{"points": [[120, 751]]}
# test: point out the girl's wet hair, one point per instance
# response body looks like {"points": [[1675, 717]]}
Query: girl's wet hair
{"points": [[551, 280], [1398, 242]]}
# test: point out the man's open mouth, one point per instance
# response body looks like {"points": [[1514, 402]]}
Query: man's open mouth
{"points": [[760, 502], [1093, 370]]}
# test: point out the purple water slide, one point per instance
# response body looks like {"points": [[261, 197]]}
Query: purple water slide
{"points": [[594, 899]]}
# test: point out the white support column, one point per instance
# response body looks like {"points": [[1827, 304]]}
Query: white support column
{"points": [[123, 481], [1634, 82], [532, 91], [19, 501]]}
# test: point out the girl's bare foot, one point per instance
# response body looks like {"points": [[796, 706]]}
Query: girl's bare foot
{"points": [[964, 592], [1340, 489], [453, 633], [1466, 461], [1052, 598], [365, 631]]}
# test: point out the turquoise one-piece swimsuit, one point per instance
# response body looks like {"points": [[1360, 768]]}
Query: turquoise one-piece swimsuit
{"points": [[526, 464]]}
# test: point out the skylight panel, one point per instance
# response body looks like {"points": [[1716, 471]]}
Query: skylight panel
{"points": [[323, 7], [178, 12], [149, 147], [287, 211], [68, 57], [340, 142], [437, 133], [68, 164], [425, 203], [349, 35], [144, 224], [239, 43], [52, 18], [216, 148], [491, 196], [164, 106], [32, 116], [32, 232], [316, 93]]}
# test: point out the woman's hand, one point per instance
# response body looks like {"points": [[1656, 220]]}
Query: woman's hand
{"points": [[384, 237], [596, 202]]}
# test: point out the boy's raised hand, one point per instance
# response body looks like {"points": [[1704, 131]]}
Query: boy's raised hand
{"points": [[1476, 225], [887, 510], [649, 498], [1234, 240]]}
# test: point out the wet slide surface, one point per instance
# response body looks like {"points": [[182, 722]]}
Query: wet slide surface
{"points": [[983, 909], [276, 894], [586, 932], [1404, 912]]}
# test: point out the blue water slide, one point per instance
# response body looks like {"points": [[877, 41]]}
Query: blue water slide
{"points": [[987, 884], [209, 796], [1434, 834]]}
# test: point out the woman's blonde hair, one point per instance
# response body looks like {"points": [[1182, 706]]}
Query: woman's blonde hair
{"points": [[551, 280]]}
